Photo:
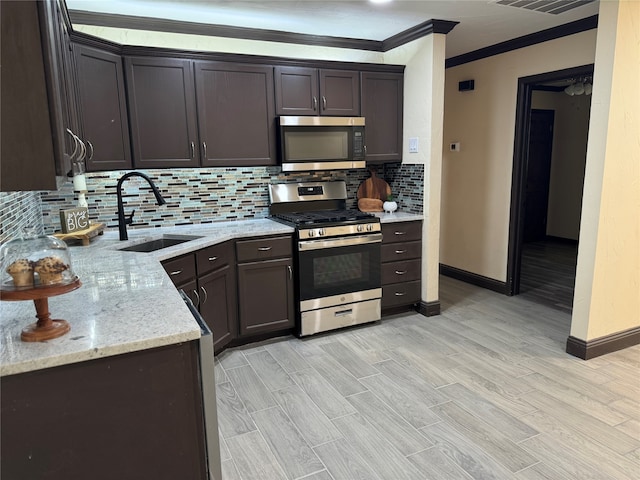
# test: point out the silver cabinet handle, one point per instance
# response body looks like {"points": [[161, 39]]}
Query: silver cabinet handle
{"points": [[195, 292], [175, 272], [264, 249], [400, 272], [315, 104], [400, 251], [400, 233], [193, 150], [91, 146], [324, 102], [75, 144], [290, 272], [213, 259], [204, 150], [205, 295], [399, 294]]}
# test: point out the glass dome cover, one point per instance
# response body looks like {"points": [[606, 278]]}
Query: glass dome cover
{"points": [[34, 262]]}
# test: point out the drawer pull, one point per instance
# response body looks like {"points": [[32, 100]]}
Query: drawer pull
{"points": [[175, 272], [342, 313], [213, 259], [400, 294], [400, 233], [401, 251], [264, 249], [400, 272]]}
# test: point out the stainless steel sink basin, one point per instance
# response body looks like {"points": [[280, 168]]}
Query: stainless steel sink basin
{"points": [[159, 243]]}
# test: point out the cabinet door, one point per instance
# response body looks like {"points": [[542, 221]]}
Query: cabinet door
{"points": [[236, 114], [217, 291], [265, 294], [34, 120], [162, 112], [296, 91], [102, 107], [339, 93], [382, 97]]}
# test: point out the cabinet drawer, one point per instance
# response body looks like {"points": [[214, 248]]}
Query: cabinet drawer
{"points": [[401, 251], [400, 294], [401, 271], [401, 232], [181, 269], [263, 248], [214, 257]]}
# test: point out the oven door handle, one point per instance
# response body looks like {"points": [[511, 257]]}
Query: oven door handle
{"points": [[339, 242]]}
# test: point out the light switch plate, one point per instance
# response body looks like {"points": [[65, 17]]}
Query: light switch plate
{"points": [[413, 145]]}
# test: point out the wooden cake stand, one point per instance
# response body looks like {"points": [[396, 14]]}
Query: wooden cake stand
{"points": [[45, 328]]}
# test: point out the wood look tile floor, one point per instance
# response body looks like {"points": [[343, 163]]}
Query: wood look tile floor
{"points": [[483, 391]]}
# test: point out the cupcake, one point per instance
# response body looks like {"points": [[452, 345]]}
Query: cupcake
{"points": [[22, 272], [50, 269]]}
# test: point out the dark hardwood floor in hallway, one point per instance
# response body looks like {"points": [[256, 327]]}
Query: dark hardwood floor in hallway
{"points": [[548, 273]]}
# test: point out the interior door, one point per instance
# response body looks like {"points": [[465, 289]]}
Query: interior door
{"points": [[538, 174]]}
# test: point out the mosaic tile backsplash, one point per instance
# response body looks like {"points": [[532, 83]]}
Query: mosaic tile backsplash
{"points": [[207, 195], [19, 210]]}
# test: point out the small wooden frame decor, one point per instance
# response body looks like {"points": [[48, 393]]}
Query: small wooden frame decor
{"points": [[74, 219]]}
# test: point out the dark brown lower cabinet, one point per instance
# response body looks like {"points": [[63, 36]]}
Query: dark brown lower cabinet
{"points": [[401, 265], [208, 278], [218, 304], [265, 285], [131, 416]]}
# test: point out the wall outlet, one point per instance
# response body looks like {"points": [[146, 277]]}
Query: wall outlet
{"points": [[413, 145], [454, 147]]}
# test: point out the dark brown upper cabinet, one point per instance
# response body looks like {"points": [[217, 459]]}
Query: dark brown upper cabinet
{"points": [[36, 95], [382, 107], [162, 112], [236, 114], [102, 109], [312, 91]]}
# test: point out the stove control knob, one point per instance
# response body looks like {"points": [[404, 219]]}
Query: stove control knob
{"points": [[311, 233], [370, 227], [359, 228], [321, 231]]}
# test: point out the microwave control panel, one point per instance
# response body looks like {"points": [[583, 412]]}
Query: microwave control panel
{"points": [[358, 143]]}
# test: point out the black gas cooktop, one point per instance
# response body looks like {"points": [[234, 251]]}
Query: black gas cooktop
{"points": [[324, 217]]}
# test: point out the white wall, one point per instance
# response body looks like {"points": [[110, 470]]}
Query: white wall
{"points": [[423, 117], [571, 129], [476, 182], [607, 291]]}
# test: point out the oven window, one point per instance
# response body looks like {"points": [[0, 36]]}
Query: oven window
{"points": [[338, 270], [334, 271]]}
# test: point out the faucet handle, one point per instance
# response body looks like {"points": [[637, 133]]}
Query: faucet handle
{"points": [[129, 219]]}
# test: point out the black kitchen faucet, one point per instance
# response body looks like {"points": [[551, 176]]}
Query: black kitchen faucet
{"points": [[122, 221]]}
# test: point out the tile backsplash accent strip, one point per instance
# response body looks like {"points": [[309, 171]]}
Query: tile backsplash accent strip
{"points": [[18, 211], [204, 195], [407, 185]]}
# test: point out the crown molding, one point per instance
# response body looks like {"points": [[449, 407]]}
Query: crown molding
{"points": [[560, 31], [193, 28]]}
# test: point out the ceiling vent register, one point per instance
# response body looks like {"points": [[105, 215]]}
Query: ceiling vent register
{"points": [[554, 7]]}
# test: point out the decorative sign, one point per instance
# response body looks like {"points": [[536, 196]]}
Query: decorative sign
{"points": [[74, 219]]}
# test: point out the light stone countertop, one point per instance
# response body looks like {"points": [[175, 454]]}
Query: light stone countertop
{"points": [[398, 217], [126, 302]]}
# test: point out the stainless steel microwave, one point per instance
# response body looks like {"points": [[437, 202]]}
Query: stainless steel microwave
{"points": [[321, 143]]}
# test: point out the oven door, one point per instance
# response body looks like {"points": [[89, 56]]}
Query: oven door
{"points": [[338, 266]]}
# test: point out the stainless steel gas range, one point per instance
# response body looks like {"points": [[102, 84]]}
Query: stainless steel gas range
{"points": [[337, 256]]}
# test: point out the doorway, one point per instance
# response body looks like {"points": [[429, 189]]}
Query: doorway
{"points": [[530, 180]]}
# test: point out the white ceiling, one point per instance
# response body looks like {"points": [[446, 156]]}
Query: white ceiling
{"points": [[482, 22]]}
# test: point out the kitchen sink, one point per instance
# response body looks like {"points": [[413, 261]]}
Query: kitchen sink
{"points": [[159, 243]]}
